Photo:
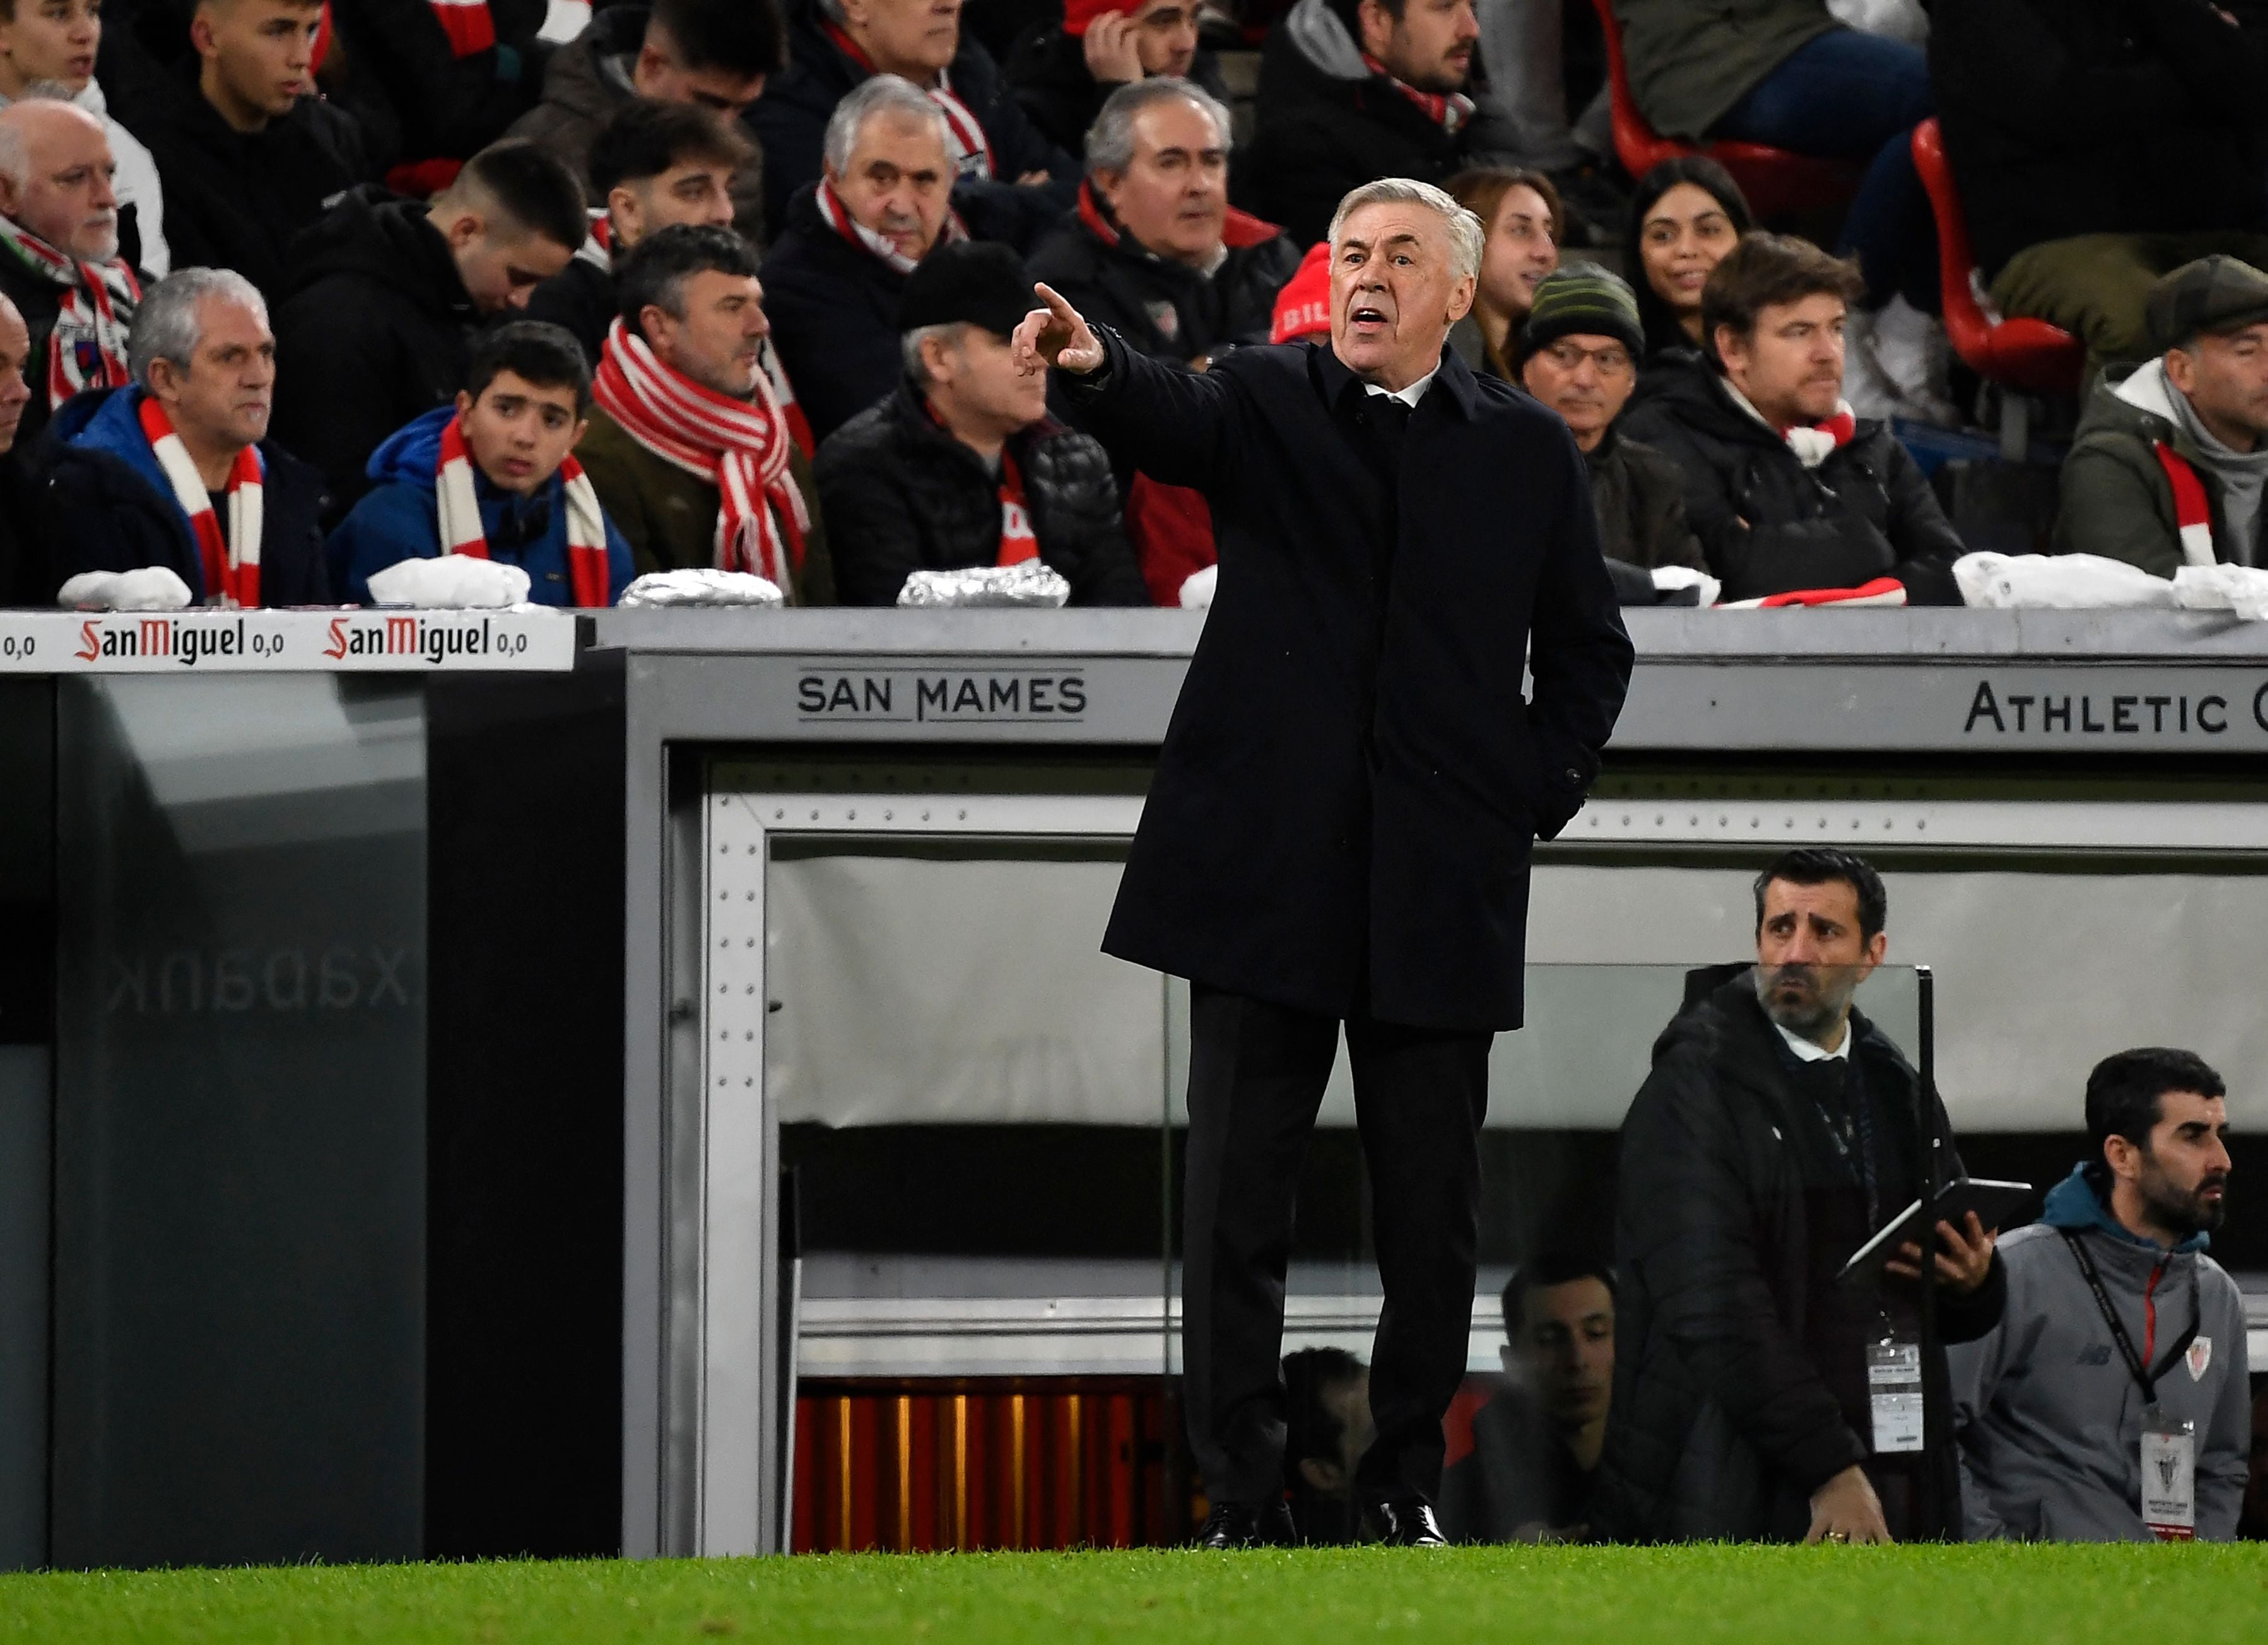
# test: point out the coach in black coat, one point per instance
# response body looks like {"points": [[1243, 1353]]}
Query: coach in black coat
{"points": [[1340, 824]]}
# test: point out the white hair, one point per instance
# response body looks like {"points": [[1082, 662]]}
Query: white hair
{"points": [[948, 332], [1467, 233], [1110, 140], [165, 325], [15, 149], [879, 94]]}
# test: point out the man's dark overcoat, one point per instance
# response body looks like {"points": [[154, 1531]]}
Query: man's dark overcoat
{"points": [[1350, 789]]}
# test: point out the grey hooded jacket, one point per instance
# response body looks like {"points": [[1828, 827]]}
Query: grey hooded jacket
{"points": [[2048, 1416]]}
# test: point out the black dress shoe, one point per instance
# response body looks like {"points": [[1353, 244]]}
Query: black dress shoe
{"points": [[1406, 1524], [1248, 1525]]}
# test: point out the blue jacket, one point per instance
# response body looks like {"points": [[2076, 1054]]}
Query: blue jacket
{"points": [[399, 519], [103, 478]]}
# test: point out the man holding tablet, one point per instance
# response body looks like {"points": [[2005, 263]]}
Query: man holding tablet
{"points": [[1758, 1393]]}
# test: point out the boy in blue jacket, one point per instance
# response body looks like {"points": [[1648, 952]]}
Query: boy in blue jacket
{"points": [[494, 477]]}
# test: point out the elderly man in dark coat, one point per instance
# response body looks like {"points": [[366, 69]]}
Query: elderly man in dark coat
{"points": [[1340, 824]]}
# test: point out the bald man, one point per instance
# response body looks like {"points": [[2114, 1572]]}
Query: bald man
{"points": [[59, 263]]}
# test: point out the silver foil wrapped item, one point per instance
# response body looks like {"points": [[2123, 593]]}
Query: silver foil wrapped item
{"points": [[1026, 582], [700, 586]]}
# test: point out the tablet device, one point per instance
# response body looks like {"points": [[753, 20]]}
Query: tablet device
{"points": [[1994, 1203]]}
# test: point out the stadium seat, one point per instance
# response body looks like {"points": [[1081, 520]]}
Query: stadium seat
{"points": [[2028, 356], [1778, 183]]}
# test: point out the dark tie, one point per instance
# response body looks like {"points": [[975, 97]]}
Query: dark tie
{"points": [[1390, 419]]}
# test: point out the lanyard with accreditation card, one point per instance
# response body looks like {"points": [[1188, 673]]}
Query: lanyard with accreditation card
{"points": [[2168, 1459]]}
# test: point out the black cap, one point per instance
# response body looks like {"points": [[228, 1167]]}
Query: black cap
{"points": [[2210, 296], [967, 282]]}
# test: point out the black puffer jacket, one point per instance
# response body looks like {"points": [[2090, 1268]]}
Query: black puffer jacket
{"points": [[1639, 494], [1164, 308], [1767, 524], [901, 494], [235, 199], [1738, 1359], [2066, 117], [790, 121], [834, 309], [1060, 92], [27, 536], [377, 330]]}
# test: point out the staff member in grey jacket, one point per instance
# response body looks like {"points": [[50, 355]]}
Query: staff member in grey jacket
{"points": [[2121, 1343]]}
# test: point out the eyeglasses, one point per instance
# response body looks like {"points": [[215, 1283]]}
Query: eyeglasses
{"points": [[1612, 359]]}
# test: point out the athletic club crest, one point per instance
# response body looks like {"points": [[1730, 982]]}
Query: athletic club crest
{"points": [[1166, 318], [2200, 1356]]}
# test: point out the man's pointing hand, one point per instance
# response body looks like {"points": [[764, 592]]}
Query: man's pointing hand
{"points": [[1056, 336]]}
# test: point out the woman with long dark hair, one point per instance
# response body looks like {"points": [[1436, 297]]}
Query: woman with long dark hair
{"points": [[1686, 214]]}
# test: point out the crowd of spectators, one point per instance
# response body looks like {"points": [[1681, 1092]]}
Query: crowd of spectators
{"points": [[838, 203]]}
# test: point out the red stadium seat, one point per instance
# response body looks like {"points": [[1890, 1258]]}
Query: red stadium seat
{"points": [[2028, 356], [1778, 183]]}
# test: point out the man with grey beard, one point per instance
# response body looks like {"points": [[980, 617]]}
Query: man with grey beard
{"points": [[1774, 1137]]}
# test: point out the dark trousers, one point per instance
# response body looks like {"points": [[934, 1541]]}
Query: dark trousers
{"points": [[1257, 1078]]}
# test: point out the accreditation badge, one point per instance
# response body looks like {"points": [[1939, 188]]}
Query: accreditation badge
{"points": [[1893, 1388], [2169, 1474]]}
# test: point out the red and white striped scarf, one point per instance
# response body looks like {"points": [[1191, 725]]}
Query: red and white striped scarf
{"points": [[742, 445], [839, 218], [1448, 110], [798, 425], [1813, 443], [231, 563], [2192, 507], [458, 512], [598, 251], [972, 150], [87, 348], [468, 24]]}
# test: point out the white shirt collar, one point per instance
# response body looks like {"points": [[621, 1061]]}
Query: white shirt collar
{"points": [[1409, 396], [1806, 1051]]}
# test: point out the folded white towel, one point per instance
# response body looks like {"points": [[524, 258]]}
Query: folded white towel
{"points": [[151, 588], [2070, 582], [448, 583]]}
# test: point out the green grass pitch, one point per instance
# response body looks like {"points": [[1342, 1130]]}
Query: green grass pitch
{"points": [[1992, 1596]]}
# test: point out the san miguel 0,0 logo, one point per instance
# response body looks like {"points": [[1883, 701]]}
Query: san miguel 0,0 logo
{"points": [[435, 643], [188, 643]]}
